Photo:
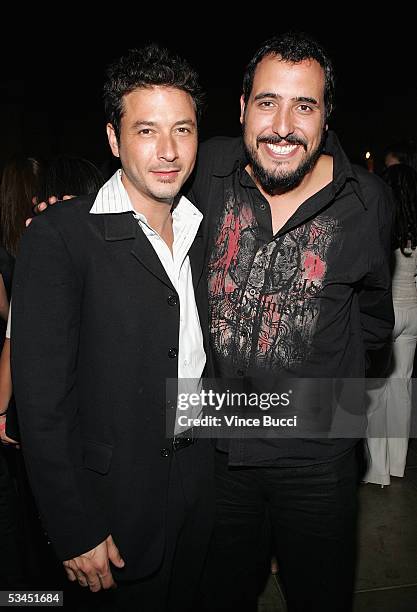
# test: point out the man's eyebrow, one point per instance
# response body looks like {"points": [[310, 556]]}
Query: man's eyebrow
{"points": [[306, 99], [266, 94], [138, 124], [186, 121], [275, 96]]}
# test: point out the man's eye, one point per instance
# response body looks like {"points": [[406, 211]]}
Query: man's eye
{"points": [[305, 108], [145, 131], [183, 130], [266, 104]]}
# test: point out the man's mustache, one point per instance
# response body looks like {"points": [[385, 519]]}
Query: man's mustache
{"points": [[274, 139]]}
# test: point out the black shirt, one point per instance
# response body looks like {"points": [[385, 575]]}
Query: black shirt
{"points": [[307, 302]]}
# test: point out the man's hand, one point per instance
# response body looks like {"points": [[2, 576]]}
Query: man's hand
{"points": [[92, 568], [38, 208]]}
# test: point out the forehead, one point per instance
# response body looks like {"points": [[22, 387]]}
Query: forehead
{"points": [[157, 104], [274, 75]]}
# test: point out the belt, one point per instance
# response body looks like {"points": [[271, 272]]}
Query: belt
{"points": [[183, 439]]}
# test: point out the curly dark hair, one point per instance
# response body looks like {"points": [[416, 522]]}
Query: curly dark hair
{"points": [[293, 47], [403, 181], [147, 67]]}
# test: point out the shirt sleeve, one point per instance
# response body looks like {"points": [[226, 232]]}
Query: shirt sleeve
{"points": [[375, 296]]}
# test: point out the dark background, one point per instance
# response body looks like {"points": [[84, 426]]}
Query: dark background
{"points": [[51, 75]]}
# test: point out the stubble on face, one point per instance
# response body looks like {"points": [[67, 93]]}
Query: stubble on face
{"points": [[283, 122], [280, 180], [158, 143]]}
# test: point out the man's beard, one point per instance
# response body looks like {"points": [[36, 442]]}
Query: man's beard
{"points": [[280, 181]]}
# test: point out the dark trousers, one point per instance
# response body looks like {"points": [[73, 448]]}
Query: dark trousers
{"points": [[175, 586], [306, 516]]}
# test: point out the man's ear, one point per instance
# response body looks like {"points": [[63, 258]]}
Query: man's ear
{"points": [[242, 109], [111, 135]]}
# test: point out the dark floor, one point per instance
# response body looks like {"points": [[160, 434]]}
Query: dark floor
{"points": [[387, 567]]}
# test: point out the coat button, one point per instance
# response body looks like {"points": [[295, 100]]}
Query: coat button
{"points": [[173, 353], [240, 373], [172, 300], [165, 452]]}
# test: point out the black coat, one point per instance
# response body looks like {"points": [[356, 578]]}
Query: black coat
{"points": [[95, 332]]}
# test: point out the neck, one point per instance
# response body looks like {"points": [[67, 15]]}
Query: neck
{"points": [[157, 212], [319, 176], [284, 205]]}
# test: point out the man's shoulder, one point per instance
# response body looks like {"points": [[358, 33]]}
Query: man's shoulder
{"points": [[216, 157], [68, 221], [68, 210], [221, 149], [218, 143], [66, 215], [376, 195], [369, 182]]}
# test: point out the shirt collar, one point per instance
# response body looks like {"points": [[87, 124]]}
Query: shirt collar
{"points": [[113, 198]]}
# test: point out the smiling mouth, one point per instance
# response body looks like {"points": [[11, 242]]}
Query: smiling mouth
{"points": [[281, 149]]}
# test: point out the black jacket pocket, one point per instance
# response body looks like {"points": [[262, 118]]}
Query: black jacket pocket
{"points": [[97, 456]]}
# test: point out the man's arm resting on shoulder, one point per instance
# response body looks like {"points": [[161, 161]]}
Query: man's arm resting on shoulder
{"points": [[42, 206]]}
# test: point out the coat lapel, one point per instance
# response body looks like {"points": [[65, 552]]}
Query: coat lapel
{"points": [[122, 226], [196, 254]]}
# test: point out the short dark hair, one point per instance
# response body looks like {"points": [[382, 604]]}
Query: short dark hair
{"points": [[293, 47], [149, 66], [68, 175]]}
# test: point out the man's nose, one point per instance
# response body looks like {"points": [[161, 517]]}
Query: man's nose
{"points": [[167, 148], [283, 123]]}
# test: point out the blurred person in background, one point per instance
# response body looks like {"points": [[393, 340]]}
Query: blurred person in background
{"points": [[19, 184], [401, 152], [389, 410], [70, 176]]}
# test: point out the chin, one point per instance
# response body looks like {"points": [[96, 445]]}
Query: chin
{"points": [[165, 196]]}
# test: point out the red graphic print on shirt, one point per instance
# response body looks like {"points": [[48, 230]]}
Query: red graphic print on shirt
{"points": [[263, 297]]}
